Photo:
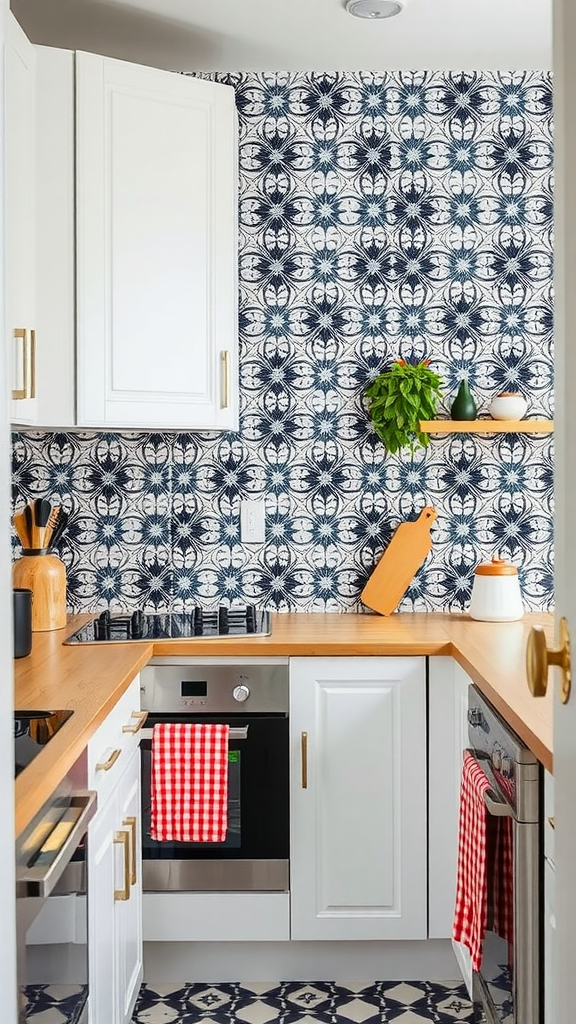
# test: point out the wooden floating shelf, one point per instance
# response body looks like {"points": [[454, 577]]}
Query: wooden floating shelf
{"points": [[487, 426]]}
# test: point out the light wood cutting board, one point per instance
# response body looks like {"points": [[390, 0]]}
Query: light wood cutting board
{"points": [[401, 560]]}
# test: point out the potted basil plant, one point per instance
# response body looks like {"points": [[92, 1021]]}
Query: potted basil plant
{"points": [[399, 398]]}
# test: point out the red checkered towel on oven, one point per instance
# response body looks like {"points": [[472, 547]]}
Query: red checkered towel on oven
{"points": [[471, 890], [189, 782]]}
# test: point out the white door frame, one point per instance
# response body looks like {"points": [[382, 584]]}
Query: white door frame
{"points": [[7, 901], [564, 15]]}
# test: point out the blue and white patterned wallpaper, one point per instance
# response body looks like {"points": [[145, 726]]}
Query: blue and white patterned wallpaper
{"points": [[381, 216]]}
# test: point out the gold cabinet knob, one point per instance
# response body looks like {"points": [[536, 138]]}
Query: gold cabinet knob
{"points": [[539, 658]]}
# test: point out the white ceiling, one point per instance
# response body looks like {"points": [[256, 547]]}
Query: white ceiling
{"points": [[278, 35]]}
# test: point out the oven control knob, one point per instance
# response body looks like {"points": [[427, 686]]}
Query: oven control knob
{"points": [[497, 760], [241, 693]]}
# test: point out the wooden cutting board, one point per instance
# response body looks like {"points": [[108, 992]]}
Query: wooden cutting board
{"points": [[397, 567]]}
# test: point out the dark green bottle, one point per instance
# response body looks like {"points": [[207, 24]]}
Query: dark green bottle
{"points": [[463, 407]]}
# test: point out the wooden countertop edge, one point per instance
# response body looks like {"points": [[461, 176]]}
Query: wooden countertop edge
{"points": [[42, 776], [530, 738]]}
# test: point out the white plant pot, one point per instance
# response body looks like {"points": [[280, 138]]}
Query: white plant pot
{"points": [[508, 406]]}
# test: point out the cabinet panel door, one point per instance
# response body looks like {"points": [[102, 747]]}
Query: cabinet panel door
{"points": [[129, 912], [448, 739], [157, 249], [102, 881], [358, 854], [20, 220]]}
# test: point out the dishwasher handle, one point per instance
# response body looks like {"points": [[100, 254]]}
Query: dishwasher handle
{"points": [[499, 808], [47, 864]]}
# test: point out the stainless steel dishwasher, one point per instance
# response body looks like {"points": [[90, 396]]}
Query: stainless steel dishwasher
{"points": [[508, 987]]}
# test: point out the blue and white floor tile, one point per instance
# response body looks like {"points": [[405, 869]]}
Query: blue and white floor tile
{"points": [[55, 1004], [381, 1002]]}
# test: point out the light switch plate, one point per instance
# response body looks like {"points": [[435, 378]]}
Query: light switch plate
{"points": [[252, 525]]}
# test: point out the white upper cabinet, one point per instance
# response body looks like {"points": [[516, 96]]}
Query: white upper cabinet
{"points": [[20, 157], [156, 195], [358, 798]]}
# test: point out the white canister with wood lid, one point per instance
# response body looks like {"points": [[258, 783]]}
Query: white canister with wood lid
{"points": [[496, 593]]}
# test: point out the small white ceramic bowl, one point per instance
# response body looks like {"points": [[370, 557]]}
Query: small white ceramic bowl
{"points": [[508, 405]]}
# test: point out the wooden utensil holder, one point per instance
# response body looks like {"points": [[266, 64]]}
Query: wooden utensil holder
{"points": [[45, 575]]}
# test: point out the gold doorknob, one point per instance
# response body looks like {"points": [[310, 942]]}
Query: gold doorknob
{"points": [[539, 658]]}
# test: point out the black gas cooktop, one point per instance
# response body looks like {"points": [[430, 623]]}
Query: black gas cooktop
{"points": [[200, 623], [32, 731]]}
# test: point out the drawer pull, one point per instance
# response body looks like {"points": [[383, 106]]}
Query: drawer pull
{"points": [[105, 766], [552, 822], [123, 839], [140, 717], [131, 824]]}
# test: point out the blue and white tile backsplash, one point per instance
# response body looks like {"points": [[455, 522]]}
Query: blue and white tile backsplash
{"points": [[381, 215]]}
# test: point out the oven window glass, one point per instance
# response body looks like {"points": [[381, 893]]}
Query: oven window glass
{"points": [[258, 797]]}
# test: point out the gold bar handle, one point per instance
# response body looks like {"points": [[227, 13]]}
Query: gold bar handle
{"points": [[140, 717], [552, 822], [131, 824], [32, 364], [28, 389], [224, 357], [304, 753], [123, 839], [105, 766]]}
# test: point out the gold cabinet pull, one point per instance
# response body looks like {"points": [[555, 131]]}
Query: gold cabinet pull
{"points": [[32, 364], [224, 357], [28, 389], [131, 824], [123, 839], [552, 822], [539, 658], [105, 766], [140, 717], [304, 753]]}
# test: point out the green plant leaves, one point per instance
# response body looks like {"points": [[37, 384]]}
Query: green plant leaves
{"points": [[399, 399]]}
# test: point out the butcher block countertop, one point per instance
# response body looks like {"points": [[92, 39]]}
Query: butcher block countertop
{"points": [[90, 679]]}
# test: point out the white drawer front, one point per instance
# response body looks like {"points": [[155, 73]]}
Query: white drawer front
{"points": [[110, 748]]}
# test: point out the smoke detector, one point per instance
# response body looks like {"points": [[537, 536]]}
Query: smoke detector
{"points": [[375, 10]]}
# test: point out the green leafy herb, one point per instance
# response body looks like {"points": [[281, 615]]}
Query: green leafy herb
{"points": [[399, 399]]}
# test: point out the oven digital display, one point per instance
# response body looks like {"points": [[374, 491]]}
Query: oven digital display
{"points": [[193, 688]]}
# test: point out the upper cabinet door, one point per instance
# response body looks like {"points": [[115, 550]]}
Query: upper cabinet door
{"points": [[157, 334], [20, 173]]}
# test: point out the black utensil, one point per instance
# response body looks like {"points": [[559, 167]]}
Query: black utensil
{"points": [[59, 529], [29, 520], [42, 510]]}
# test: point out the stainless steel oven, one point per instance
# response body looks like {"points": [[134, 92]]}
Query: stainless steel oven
{"points": [[51, 910], [253, 700], [508, 987]]}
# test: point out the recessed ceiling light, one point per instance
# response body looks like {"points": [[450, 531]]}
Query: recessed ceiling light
{"points": [[374, 9]]}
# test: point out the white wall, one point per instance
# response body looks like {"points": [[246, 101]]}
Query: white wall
{"points": [[7, 908]]}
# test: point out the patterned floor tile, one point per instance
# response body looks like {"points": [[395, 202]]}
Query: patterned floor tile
{"points": [[350, 1002]]}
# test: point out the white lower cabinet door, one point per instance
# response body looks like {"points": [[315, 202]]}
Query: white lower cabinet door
{"points": [[447, 741], [102, 967], [115, 901], [358, 798], [129, 912]]}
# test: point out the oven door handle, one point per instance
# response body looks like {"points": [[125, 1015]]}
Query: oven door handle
{"points": [[499, 808], [40, 877], [236, 733]]}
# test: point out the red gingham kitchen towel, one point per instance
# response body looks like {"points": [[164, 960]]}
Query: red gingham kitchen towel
{"points": [[471, 889], [189, 782], [501, 870]]}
